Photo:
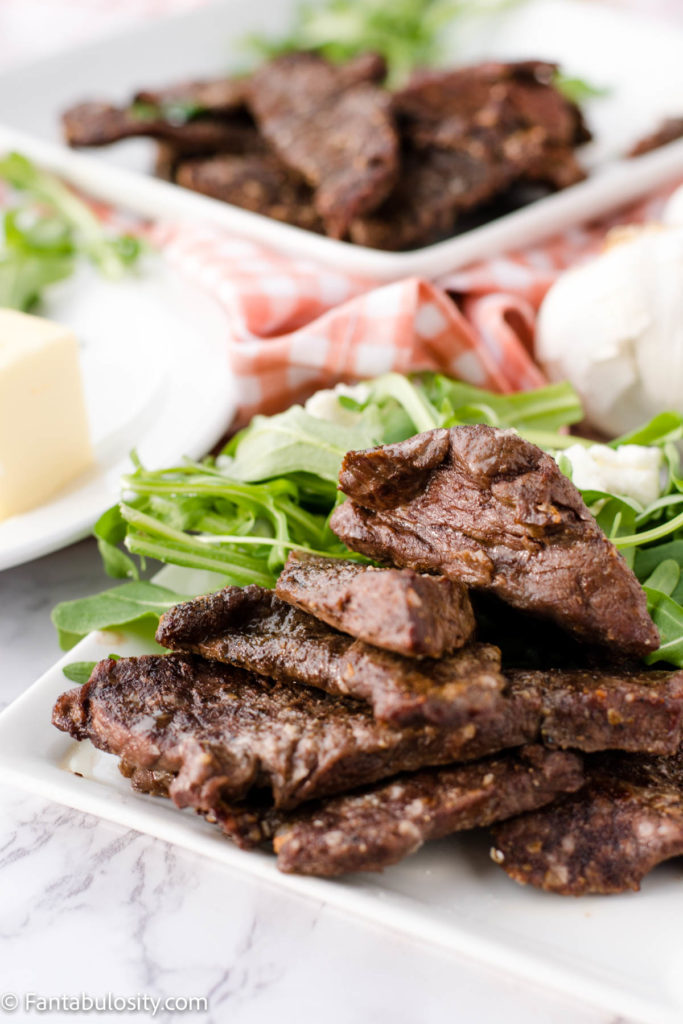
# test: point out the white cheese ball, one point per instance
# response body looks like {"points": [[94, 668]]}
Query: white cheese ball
{"points": [[613, 327], [632, 470]]}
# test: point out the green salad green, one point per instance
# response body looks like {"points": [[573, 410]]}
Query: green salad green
{"points": [[46, 234], [273, 488]]}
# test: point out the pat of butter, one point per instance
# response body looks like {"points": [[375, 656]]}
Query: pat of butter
{"points": [[44, 437]]}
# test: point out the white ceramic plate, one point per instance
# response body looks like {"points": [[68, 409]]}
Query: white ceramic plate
{"points": [[623, 954], [637, 59], [156, 378]]}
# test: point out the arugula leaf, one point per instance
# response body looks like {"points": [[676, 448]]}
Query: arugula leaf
{"points": [[295, 442], [667, 426], [110, 530], [24, 276], [120, 606], [407, 33], [578, 90], [79, 671], [87, 233], [649, 558], [667, 616]]}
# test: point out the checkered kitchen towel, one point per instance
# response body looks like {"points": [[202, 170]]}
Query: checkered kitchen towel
{"points": [[293, 326]]}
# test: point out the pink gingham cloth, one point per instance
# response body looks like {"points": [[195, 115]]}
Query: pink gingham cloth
{"points": [[294, 326]]}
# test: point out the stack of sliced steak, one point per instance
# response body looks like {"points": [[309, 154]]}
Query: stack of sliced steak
{"points": [[351, 715], [326, 147]]}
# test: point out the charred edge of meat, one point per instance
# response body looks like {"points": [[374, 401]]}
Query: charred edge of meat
{"points": [[372, 829], [221, 732], [485, 507], [602, 840], [255, 630]]}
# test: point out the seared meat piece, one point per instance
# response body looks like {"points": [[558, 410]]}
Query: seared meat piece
{"points": [[604, 839], [668, 131], [370, 830], [258, 182], [642, 769], [98, 124], [397, 609], [376, 826], [434, 187], [166, 162], [221, 732], [252, 628], [636, 711], [470, 135], [611, 709], [556, 167], [332, 126], [514, 106], [147, 780], [485, 507], [217, 95]]}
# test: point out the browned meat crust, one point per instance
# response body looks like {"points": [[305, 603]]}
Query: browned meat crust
{"points": [[487, 508], [370, 830], [668, 131], [604, 839], [331, 125], [469, 136], [514, 106], [631, 711], [98, 124], [257, 182], [396, 609], [617, 709], [434, 187], [218, 95], [221, 732], [252, 628]]}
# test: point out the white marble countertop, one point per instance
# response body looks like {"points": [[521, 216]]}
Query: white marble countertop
{"points": [[86, 906]]}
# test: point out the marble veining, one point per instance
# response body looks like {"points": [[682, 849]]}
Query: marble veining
{"points": [[88, 906]]}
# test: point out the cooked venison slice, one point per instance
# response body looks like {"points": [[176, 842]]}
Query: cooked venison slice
{"points": [[601, 710], [435, 186], [604, 839], [98, 124], [515, 106], [469, 136], [381, 825], [330, 124], [378, 825], [257, 182], [217, 95], [399, 610], [221, 732], [252, 628], [485, 507], [668, 131]]}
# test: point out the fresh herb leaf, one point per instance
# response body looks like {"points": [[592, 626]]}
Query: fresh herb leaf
{"points": [[665, 577], [667, 616], [120, 606], [87, 234], [110, 530], [407, 33], [578, 90], [80, 671], [295, 442]]}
